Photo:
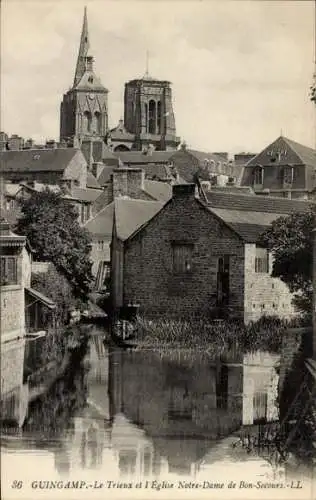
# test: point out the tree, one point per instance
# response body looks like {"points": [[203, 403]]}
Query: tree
{"points": [[290, 240], [51, 225]]}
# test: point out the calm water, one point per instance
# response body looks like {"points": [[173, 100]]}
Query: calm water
{"points": [[139, 416]]}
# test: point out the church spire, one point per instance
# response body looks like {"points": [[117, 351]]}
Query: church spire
{"points": [[83, 50]]}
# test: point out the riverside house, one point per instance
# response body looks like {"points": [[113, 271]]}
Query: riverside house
{"points": [[24, 315], [200, 256]]}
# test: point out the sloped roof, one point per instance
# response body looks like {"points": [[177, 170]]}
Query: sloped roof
{"points": [[250, 215], [92, 181], [138, 157], [120, 132], [37, 160], [264, 204], [130, 215], [306, 154], [233, 189], [105, 175], [201, 156], [297, 154], [90, 82], [160, 191], [102, 223], [88, 195], [249, 225]]}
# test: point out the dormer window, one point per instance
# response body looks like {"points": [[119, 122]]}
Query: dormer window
{"points": [[90, 79], [258, 176]]}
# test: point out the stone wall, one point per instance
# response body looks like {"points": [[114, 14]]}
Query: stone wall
{"points": [[148, 274], [12, 360], [12, 311], [264, 295]]}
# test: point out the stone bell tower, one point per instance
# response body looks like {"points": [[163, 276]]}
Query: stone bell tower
{"points": [[84, 109], [148, 113]]}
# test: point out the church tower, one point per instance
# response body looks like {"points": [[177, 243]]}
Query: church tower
{"points": [[148, 113], [84, 109]]}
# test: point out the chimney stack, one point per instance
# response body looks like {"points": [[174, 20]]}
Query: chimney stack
{"points": [[127, 181]]}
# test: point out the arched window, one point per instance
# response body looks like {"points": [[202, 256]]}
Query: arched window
{"points": [[258, 176], [97, 122], [159, 117], [152, 117], [87, 119], [146, 118]]}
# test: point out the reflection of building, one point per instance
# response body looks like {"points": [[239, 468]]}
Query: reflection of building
{"points": [[171, 412]]}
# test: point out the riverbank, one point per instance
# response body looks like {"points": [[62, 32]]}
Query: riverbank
{"points": [[214, 338]]}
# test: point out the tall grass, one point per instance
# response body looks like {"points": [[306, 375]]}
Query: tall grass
{"points": [[214, 338]]}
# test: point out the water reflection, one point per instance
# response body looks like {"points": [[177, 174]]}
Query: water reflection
{"points": [[135, 415]]}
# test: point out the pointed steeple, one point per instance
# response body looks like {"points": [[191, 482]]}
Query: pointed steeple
{"points": [[83, 50]]}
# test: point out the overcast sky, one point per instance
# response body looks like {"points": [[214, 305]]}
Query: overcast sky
{"points": [[240, 70]]}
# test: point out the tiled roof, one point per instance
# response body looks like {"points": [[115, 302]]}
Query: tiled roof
{"points": [[102, 223], [250, 215], [307, 155], [90, 82], [92, 181], [105, 175], [299, 153], [88, 195], [265, 204], [246, 190], [249, 225], [138, 157], [154, 171], [36, 160], [130, 215], [160, 191], [201, 156]]}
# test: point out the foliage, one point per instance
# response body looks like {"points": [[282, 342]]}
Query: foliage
{"points": [[51, 225], [215, 338], [54, 285], [290, 240]]}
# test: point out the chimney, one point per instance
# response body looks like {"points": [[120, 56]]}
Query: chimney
{"points": [[183, 191], [127, 181]]}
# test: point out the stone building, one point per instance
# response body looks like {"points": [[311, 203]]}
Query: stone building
{"points": [[195, 257], [84, 109], [284, 168], [17, 297], [148, 114]]}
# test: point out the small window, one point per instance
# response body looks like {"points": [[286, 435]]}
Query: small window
{"points": [[262, 260], [8, 272], [182, 257]]}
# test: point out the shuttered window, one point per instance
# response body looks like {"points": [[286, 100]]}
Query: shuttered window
{"points": [[182, 257], [262, 260]]}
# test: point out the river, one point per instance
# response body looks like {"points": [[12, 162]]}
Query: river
{"points": [[165, 422]]}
